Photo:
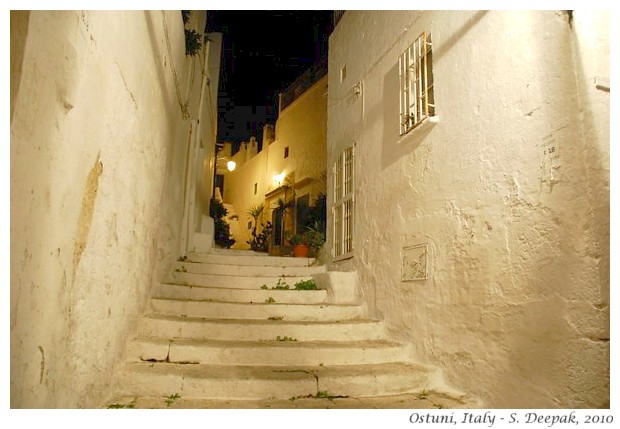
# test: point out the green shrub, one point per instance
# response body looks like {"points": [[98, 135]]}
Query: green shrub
{"points": [[185, 14], [193, 42], [306, 285], [222, 230]]}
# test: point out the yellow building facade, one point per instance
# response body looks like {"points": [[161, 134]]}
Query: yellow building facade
{"points": [[290, 169]]}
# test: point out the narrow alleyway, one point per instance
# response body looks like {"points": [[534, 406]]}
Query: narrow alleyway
{"points": [[230, 330], [464, 218]]}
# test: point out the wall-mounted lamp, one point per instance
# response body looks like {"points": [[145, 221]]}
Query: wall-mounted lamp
{"points": [[278, 178], [230, 165]]}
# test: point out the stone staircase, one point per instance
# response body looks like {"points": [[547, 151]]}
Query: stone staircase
{"points": [[218, 331]]}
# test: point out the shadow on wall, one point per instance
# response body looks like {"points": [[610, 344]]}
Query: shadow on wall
{"points": [[156, 46], [597, 175], [391, 149], [20, 20], [597, 187], [449, 43]]}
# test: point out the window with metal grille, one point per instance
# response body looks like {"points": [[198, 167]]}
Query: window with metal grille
{"points": [[343, 206], [417, 98]]}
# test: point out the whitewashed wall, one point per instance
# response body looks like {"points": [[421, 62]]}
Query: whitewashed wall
{"points": [[98, 159], [515, 309]]}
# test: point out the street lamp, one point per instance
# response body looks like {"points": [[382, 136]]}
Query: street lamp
{"points": [[230, 164]]}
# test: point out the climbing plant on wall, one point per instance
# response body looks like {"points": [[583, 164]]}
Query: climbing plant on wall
{"points": [[193, 40], [222, 230], [185, 14]]}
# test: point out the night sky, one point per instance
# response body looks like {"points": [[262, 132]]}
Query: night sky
{"points": [[262, 53]]}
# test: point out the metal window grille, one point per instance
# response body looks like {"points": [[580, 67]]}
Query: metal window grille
{"points": [[343, 205], [417, 99]]}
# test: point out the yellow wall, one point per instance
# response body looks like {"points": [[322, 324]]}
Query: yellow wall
{"points": [[302, 127], [239, 191]]}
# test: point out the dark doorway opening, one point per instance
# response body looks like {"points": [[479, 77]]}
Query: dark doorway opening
{"points": [[219, 183], [302, 208], [277, 220]]}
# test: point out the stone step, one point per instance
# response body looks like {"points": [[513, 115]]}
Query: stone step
{"points": [[283, 351], [261, 382], [232, 281], [173, 291], [255, 330], [420, 400], [248, 258], [255, 311], [248, 270]]}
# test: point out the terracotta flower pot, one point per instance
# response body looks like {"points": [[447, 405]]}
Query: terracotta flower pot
{"points": [[301, 250]]}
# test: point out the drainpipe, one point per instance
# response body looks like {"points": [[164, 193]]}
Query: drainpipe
{"points": [[193, 150]]}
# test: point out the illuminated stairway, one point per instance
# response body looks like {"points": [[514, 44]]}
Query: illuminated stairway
{"points": [[226, 328]]}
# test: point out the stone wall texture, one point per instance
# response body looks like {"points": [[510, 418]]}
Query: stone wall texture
{"points": [[99, 154], [516, 305]]}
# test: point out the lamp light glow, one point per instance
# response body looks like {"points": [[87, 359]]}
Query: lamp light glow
{"points": [[278, 178]]}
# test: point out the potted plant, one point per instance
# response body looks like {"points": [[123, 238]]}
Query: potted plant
{"points": [[300, 245], [315, 224], [315, 238]]}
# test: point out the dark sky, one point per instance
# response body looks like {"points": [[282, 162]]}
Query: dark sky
{"points": [[262, 53]]}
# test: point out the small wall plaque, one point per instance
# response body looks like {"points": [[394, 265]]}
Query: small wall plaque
{"points": [[415, 263]]}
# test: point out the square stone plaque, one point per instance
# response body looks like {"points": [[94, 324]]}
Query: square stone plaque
{"points": [[415, 263]]}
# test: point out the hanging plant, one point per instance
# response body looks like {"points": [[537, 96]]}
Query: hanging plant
{"points": [[193, 42], [185, 15], [222, 230]]}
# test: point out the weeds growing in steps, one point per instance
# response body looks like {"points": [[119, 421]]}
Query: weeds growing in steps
{"points": [[321, 394], [306, 285], [132, 404], [300, 285], [171, 399], [285, 338]]}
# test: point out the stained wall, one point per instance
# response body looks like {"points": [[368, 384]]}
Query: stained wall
{"points": [[99, 155]]}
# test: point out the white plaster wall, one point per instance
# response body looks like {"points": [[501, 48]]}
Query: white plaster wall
{"points": [[591, 66], [516, 306], [206, 127], [98, 154]]}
